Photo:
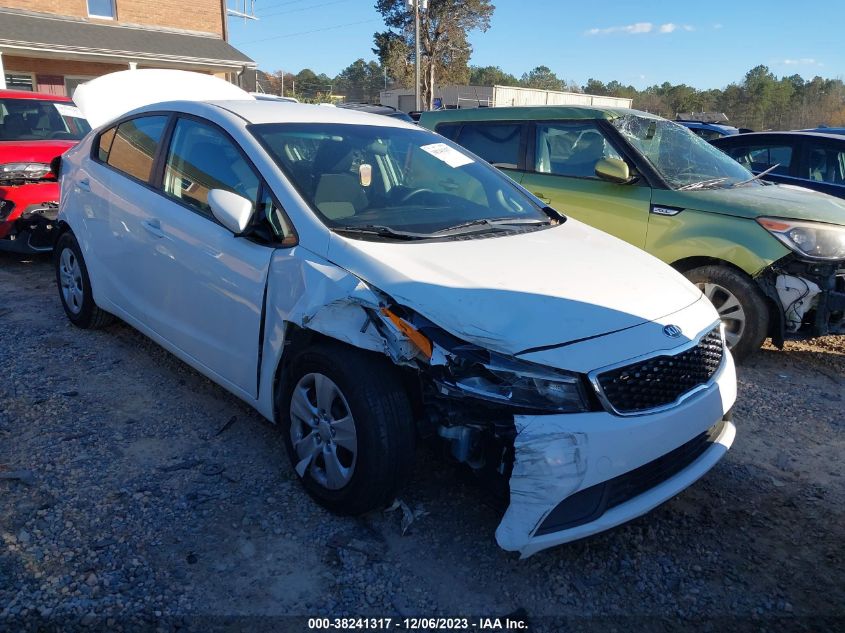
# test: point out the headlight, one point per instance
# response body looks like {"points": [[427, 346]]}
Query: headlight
{"points": [[518, 384], [811, 239], [24, 171]]}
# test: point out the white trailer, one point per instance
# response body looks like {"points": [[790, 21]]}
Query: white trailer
{"points": [[498, 96]]}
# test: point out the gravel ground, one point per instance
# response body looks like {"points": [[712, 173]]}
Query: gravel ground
{"points": [[137, 495]]}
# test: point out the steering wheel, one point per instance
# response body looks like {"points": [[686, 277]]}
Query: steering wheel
{"points": [[412, 194]]}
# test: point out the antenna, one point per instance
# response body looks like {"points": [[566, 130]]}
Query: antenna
{"points": [[243, 9]]}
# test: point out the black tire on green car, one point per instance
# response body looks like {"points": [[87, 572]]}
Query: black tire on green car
{"points": [[739, 302]]}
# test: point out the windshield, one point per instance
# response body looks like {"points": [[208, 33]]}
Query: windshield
{"points": [[39, 120], [679, 156], [394, 179]]}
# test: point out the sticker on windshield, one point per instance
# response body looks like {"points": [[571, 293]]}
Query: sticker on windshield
{"points": [[448, 155], [68, 110]]}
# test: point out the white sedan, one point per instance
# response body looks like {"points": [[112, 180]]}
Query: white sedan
{"points": [[364, 283]]}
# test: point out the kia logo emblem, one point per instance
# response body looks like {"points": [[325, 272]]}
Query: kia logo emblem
{"points": [[672, 331]]}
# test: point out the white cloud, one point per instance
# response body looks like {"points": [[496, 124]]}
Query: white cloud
{"points": [[639, 28], [718, 26], [803, 61], [631, 29]]}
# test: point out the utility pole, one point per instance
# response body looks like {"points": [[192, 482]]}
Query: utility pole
{"points": [[415, 6]]}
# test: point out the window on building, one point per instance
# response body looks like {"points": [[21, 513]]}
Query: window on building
{"points": [[20, 81], [102, 9], [134, 146]]}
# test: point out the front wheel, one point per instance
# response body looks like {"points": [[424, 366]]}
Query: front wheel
{"points": [[348, 427], [740, 304]]}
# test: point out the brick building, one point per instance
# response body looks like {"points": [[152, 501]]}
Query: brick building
{"points": [[54, 45]]}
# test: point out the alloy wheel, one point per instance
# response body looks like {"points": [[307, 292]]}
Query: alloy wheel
{"points": [[70, 274], [729, 309], [322, 431]]}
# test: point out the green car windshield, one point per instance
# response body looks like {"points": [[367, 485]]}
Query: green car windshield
{"points": [[684, 160], [394, 179]]}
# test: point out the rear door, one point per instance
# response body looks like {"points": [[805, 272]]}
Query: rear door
{"points": [[501, 143], [823, 165], [118, 228], [562, 156]]}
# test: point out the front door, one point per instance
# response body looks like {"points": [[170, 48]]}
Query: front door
{"points": [[561, 172], [205, 287]]}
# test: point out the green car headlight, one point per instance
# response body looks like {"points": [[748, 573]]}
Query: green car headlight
{"points": [[814, 240]]}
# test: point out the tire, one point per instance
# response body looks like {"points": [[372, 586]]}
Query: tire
{"points": [[75, 286], [740, 303], [376, 457]]}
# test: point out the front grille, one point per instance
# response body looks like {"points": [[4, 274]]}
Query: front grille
{"points": [[661, 380], [589, 504]]}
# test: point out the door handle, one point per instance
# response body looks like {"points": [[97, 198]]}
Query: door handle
{"points": [[153, 227], [84, 184]]}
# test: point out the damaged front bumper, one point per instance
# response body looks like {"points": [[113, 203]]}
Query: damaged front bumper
{"points": [[810, 297], [575, 475]]}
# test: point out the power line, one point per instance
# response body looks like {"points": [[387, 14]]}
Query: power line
{"points": [[282, 4], [328, 28], [315, 6]]}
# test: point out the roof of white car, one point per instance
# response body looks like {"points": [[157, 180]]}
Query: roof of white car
{"points": [[280, 112]]}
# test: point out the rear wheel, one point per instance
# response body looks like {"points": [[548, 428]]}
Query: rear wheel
{"points": [[739, 303], [348, 427], [75, 285]]}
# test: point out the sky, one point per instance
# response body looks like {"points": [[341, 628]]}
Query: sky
{"points": [[703, 44]]}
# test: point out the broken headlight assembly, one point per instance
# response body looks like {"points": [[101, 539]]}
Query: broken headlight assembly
{"points": [[464, 370], [478, 373], [814, 240]]}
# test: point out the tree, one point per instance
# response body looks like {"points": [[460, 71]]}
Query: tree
{"points": [[360, 81], [543, 78], [491, 76], [444, 47]]}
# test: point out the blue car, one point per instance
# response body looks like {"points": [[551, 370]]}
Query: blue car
{"points": [[813, 160]]}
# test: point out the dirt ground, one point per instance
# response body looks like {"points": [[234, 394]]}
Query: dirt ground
{"points": [[137, 495]]}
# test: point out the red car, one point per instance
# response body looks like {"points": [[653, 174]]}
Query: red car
{"points": [[35, 128]]}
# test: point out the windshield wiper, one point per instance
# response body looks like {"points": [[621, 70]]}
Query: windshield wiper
{"points": [[760, 175], [492, 223], [703, 184], [382, 231]]}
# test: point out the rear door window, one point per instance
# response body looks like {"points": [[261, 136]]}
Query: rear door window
{"points": [[825, 164], [497, 143], [571, 149], [134, 146], [760, 157]]}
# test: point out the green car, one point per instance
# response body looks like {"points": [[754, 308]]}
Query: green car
{"points": [[771, 258]]}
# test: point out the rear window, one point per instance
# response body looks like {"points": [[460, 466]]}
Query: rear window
{"points": [[135, 144], [40, 120], [497, 143]]}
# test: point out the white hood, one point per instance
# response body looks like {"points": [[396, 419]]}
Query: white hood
{"points": [[113, 95], [512, 294]]}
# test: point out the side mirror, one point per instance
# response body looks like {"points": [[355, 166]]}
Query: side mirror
{"points": [[613, 170], [231, 210]]}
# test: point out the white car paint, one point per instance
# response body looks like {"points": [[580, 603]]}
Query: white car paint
{"points": [[568, 297]]}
